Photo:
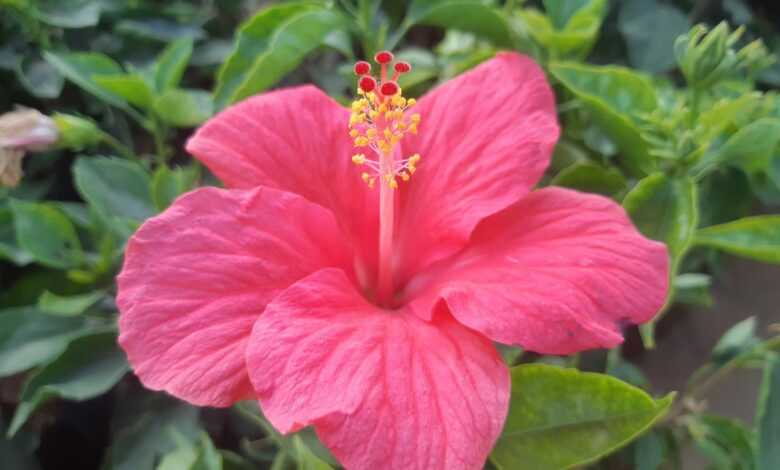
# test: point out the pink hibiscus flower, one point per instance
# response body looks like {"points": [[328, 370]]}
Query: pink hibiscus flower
{"points": [[357, 271]]}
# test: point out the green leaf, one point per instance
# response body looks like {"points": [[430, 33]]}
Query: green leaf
{"points": [[67, 13], [650, 29], [613, 95], [753, 237], [68, 305], [89, 367], [131, 87], [169, 66], [752, 148], [47, 234], [159, 29], [9, 248], [271, 44], [569, 29], [768, 416], [693, 289], [39, 77], [465, 15], [650, 451], [168, 184], [560, 418], [726, 442], [82, 67], [184, 108], [118, 190], [28, 339], [738, 340], [592, 178], [306, 459], [664, 209]]}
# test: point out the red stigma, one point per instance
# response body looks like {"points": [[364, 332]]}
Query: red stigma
{"points": [[362, 67], [367, 83], [389, 88], [383, 57], [403, 67]]}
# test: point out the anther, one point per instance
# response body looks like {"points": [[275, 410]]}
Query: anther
{"points": [[362, 67], [383, 57]]}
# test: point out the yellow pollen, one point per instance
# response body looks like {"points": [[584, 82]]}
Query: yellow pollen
{"points": [[359, 159]]}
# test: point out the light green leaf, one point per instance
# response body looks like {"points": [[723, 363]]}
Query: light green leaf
{"points": [[88, 367], [306, 459], [28, 339], [613, 95], [168, 184], [184, 108], [169, 66], [131, 87], [46, 234], [650, 29], [68, 305], [271, 44], [753, 237], [665, 209], [592, 178], [751, 148], [561, 418], [118, 190], [768, 416], [465, 15], [569, 29], [67, 13], [738, 340]]}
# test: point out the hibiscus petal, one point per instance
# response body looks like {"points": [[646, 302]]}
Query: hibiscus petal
{"points": [[383, 389], [196, 278], [294, 139], [558, 272], [485, 138]]}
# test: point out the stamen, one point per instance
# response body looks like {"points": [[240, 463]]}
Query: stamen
{"points": [[378, 121]]}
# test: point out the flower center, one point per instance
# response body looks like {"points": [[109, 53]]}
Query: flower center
{"points": [[378, 122]]}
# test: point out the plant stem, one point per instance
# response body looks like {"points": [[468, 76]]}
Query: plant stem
{"points": [[120, 148]]}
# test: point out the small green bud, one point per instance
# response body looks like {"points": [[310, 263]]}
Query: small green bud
{"points": [[77, 133]]}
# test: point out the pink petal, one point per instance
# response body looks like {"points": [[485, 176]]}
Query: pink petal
{"points": [[557, 273], [196, 278], [485, 138], [297, 140], [383, 389]]}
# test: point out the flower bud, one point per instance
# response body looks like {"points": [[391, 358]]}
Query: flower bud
{"points": [[76, 133], [27, 130], [10, 166]]}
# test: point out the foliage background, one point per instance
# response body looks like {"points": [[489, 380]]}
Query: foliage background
{"points": [[684, 132]]}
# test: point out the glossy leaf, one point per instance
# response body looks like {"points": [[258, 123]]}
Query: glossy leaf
{"points": [[750, 148], [752, 237], [650, 29], [613, 95], [46, 234], [306, 458], [569, 29], [9, 248], [738, 340], [81, 68], [270, 45], [560, 418], [591, 178], [28, 339], [68, 305], [665, 209], [68, 13], [168, 184], [768, 416], [88, 367], [39, 77], [693, 289], [465, 15], [131, 87], [727, 443], [169, 66], [117, 189], [184, 108]]}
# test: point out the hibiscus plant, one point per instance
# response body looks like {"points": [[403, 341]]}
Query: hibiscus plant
{"points": [[365, 234]]}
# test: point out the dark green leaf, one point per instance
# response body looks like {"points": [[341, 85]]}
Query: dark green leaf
{"points": [[752, 148], [738, 340], [726, 442], [184, 108], [40, 78], [9, 248], [68, 305], [591, 178], [650, 29], [68, 13], [130, 87], [305, 458], [28, 339], [768, 416], [118, 190], [559, 418], [693, 289], [169, 66], [650, 450], [613, 95], [89, 367], [270, 45], [159, 29], [753, 237], [465, 15], [47, 234], [169, 184]]}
